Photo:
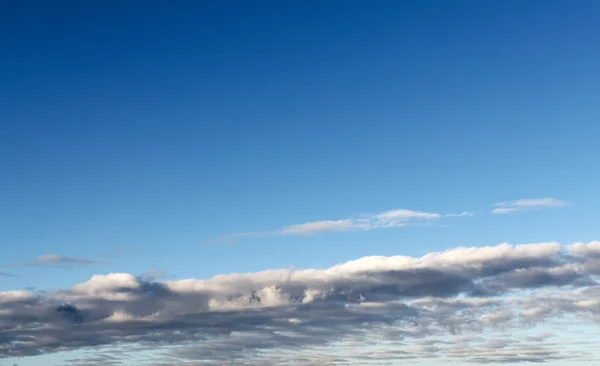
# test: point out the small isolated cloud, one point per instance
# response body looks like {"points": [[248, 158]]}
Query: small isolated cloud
{"points": [[5, 274], [55, 260], [526, 204], [156, 274], [361, 222]]}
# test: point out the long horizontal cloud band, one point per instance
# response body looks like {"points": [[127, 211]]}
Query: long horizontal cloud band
{"points": [[361, 222], [310, 306]]}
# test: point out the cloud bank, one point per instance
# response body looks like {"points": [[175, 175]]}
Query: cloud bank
{"points": [[295, 317], [526, 204]]}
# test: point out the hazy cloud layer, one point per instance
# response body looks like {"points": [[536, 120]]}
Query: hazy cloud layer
{"points": [[55, 260], [526, 204], [236, 319]]}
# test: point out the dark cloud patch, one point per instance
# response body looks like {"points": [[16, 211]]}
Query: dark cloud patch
{"points": [[71, 313]]}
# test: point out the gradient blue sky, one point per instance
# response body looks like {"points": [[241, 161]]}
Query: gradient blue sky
{"points": [[133, 133]]}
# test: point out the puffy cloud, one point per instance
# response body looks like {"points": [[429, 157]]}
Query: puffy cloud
{"points": [[591, 249], [526, 204], [12, 297], [271, 315]]}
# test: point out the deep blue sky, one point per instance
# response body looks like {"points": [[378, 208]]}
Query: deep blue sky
{"points": [[134, 132], [158, 126]]}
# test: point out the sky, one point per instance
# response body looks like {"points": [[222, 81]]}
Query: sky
{"points": [[299, 182]]}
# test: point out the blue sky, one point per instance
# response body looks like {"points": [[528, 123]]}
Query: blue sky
{"points": [[134, 134]]}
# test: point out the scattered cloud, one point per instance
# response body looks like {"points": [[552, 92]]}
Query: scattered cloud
{"points": [[361, 222], [456, 305], [5, 274], [55, 260], [526, 204]]}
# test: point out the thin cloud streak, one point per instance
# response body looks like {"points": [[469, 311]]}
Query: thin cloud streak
{"points": [[462, 214], [362, 222], [524, 204], [57, 261]]}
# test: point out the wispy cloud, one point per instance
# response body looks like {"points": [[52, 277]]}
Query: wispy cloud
{"points": [[462, 214], [157, 274], [5, 274], [360, 222], [326, 225], [55, 260], [444, 305], [526, 204]]}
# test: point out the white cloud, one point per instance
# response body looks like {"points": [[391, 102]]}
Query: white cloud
{"points": [[321, 226], [15, 296], [361, 222], [585, 249], [402, 214], [104, 284], [526, 204]]}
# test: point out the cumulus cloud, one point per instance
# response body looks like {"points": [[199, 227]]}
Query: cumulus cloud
{"points": [[526, 204], [361, 222], [55, 260], [241, 316], [591, 249]]}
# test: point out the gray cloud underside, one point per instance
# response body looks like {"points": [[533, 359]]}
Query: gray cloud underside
{"points": [[474, 349], [279, 314]]}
